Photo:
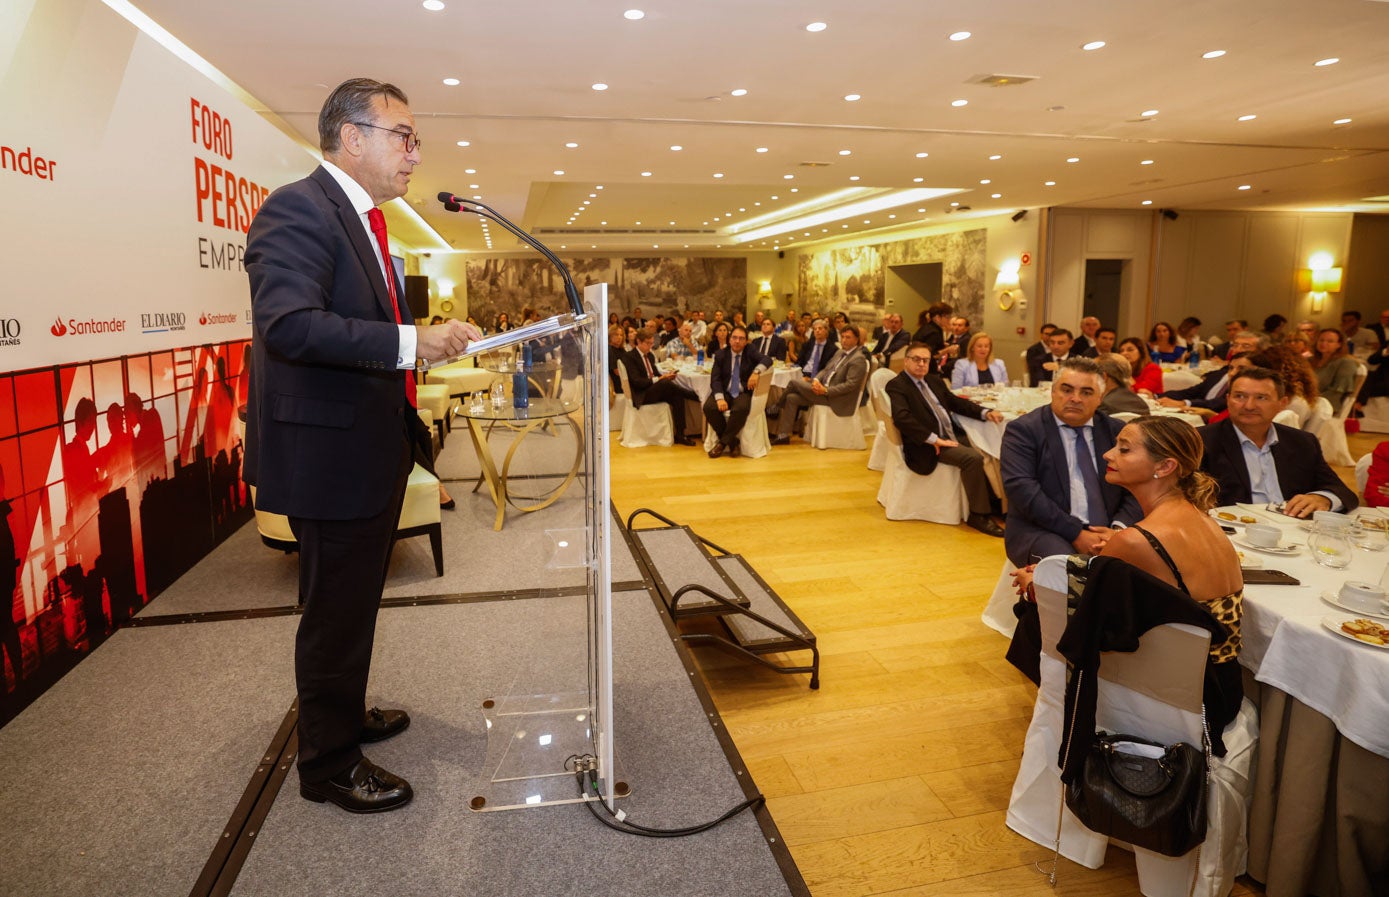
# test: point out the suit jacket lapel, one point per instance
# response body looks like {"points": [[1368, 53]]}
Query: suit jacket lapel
{"points": [[1234, 456], [366, 250], [1058, 454]]}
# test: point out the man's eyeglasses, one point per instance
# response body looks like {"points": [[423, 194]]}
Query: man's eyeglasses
{"points": [[409, 138], [919, 359]]}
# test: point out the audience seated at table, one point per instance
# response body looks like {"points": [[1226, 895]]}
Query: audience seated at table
{"points": [[838, 385], [1059, 345], [1118, 398], [732, 381], [921, 409], [1255, 460], [684, 345], [1147, 374], [1207, 398], [1299, 380], [892, 339], [818, 350], [979, 367], [1087, 343], [1037, 353], [650, 386], [1105, 340], [1162, 344], [718, 337], [1336, 370], [768, 343], [1058, 502]]}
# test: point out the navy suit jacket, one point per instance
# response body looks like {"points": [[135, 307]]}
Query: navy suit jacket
{"points": [[913, 417], [722, 374], [1037, 482], [778, 350], [886, 345], [1196, 395], [808, 350], [325, 427], [1297, 457]]}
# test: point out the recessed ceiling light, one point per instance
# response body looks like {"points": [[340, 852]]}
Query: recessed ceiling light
{"points": [[599, 187], [846, 152], [451, 82], [1049, 184], [1148, 202], [795, 189], [853, 177], [986, 181], [740, 208], [739, 92], [995, 157], [1332, 60], [1244, 186], [593, 196], [816, 26], [917, 180], [843, 225], [638, 224], [646, 174], [1093, 45], [1341, 121], [675, 148], [996, 195], [470, 171], [1247, 117], [891, 216], [587, 201], [718, 174], [672, 224], [433, 5], [572, 145], [921, 210], [559, 171], [477, 197], [852, 97], [960, 35], [922, 155], [464, 143], [600, 86], [954, 204], [1074, 159], [1148, 113], [1213, 54], [776, 197], [1146, 162], [474, 187], [958, 103], [604, 223], [788, 177], [757, 203], [761, 149], [634, 14]]}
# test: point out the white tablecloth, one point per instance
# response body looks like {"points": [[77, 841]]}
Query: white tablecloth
{"points": [[1286, 646]]}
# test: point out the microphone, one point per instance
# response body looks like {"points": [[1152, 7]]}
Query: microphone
{"points": [[455, 203]]}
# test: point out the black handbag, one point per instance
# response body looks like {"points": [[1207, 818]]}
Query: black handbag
{"points": [[1154, 798]]}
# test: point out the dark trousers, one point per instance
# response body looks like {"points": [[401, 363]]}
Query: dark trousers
{"points": [[342, 570], [970, 462], [674, 395], [728, 428]]}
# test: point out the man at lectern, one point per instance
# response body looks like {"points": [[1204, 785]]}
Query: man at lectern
{"points": [[330, 416]]}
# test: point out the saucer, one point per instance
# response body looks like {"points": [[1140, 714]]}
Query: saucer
{"points": [[1282, 551], [1334, 600]]}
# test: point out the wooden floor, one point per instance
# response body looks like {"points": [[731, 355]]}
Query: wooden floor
{"points": [[894, 777]]}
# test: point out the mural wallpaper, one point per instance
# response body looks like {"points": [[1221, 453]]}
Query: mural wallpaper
{"points": [[851, 279], [658, 285], [116, 477]]}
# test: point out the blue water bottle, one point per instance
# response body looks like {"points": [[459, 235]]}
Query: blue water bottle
{"points": [[699, 356], [520, 381]]}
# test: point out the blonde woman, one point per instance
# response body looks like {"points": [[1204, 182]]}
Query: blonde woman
{"points": [[979, 367]]}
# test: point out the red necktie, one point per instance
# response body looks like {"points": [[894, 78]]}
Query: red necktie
{"points": [[378, 227], [646, 359]]}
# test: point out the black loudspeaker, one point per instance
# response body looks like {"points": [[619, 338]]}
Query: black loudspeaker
{"points": [[781, 253], [1020, 215], [417, 295], [1169, 214]]}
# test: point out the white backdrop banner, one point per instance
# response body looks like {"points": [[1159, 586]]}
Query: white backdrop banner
{"points": [[127, 180]]}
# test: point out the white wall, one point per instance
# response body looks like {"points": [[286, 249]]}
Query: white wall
{"points": [[1079, 235]]}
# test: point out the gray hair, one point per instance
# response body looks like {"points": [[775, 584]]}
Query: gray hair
{"points": [[1249, 334], [350, 102], [1115, 367]]}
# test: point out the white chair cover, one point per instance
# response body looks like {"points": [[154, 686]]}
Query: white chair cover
{"points": [[617, 412], [1362, 471], [907, 495], [1170, 661], [1317, 420], [998, 613], [756, 440], [826, 430], [647, 425], [1333, 435], [877, 382]]}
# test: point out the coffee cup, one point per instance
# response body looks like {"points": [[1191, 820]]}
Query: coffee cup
{"points": [[1362, 596], [1263, 535], [1332, 518]]}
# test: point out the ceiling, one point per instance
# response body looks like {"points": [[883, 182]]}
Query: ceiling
{"points": [[526, 69]]}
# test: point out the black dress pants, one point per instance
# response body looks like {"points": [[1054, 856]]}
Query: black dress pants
{"points": [[674, 395], [342, 570], [728, 428]]}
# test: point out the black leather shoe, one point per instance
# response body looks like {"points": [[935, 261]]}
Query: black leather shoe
{"points": [[735, 448], [378, 724], [684, 440], [985, 525], [365, 788], [448, 505], [781, 440], [717, 450]]}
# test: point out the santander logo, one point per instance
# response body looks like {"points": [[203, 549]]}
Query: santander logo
{"points": [[59, 328], [203, 319]]}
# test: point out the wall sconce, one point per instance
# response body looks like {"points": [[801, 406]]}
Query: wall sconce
{"points": [[1008, 285], [1319, 278]]}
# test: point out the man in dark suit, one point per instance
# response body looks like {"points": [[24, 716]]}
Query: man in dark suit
{"points": [[1038, 351], [893, 339], [650, 386], [732, 381], [1208, 397], [839, 385], [932, 333], [769, 345], [921, 409], [956, 342], [330, 422], [818, 350], [1087, 344], [1255, 460], [1058, 500], [1059, 345]]}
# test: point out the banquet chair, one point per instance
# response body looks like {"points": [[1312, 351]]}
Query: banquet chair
{"points": [[1154, 692], [419, 516], [826, 430], [1333, 436], [998, 613], [906, 494], [1317, 420], [756, 440], [1022, 362], [647, 425], [1362, 472], [897, 360], [877, 383]]}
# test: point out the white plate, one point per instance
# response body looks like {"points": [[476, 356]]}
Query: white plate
{"points": [[1264, 514], [1282, 551], [1249, 562], [1334, 624], [1237, 512], [1334, 600]]}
